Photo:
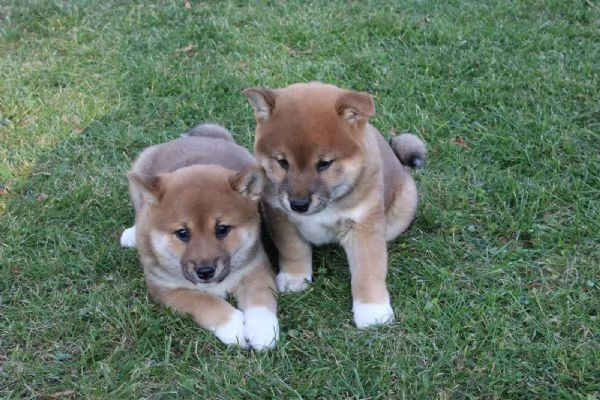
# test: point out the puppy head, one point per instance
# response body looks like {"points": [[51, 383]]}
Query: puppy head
{"points": [[201, 220], [310, 141]]}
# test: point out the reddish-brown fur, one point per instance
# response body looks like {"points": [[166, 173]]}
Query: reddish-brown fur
{"points": [[361, 199], [171, 197]]}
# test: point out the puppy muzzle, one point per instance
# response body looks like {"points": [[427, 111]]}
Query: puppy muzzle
{"points": [[205, 271], [299, 205]]}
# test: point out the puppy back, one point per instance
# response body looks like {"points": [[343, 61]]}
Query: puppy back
{"points": [[213, 131], [206, 144]]}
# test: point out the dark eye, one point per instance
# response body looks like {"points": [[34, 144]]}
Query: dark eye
{"points": [[222, 230], [283, 163], [183, 234], [323, 165]]}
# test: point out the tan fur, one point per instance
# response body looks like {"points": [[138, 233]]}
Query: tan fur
{"points": [[186, 193], [362, 199]]}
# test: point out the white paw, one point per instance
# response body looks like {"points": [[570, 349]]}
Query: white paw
{"points": [[233, 331], [261, 328], [128, 237], [366, 314], [290, 283]]}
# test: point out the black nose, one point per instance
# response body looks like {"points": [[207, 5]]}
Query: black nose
{"points": [[205, 272], [299, 205]]}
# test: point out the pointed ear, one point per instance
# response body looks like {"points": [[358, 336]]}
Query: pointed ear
{"points": [[150, 186], [262, 101], [355, 106], [250, 182]]}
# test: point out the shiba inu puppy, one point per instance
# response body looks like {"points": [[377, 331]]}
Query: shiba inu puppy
{"points": [[197, 231], [332, 178]]}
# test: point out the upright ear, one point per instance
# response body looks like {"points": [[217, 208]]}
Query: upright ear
{"points": [[355, 106], [250, 182], [150, 186], [262, 101]]}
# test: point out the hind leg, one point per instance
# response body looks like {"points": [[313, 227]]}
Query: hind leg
{"points": [[402, 211], [137, 200], [128, 237]]}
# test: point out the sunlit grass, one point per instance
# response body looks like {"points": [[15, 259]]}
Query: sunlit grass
{"points": [[495, 286]]}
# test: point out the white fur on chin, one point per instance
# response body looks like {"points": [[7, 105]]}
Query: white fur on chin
{"points": [[128, 237], [366, 315], [261, 328], [233, 331], [287, 283]]}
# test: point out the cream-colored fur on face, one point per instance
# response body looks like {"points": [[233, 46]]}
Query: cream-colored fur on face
{"points": [[332, 178], [197, 232]]}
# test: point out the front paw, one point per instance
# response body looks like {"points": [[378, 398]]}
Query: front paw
{"points": [[232, 332], [261, 328], [369, 314], [287, 283]]}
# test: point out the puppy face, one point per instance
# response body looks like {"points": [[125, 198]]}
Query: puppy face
{"points": [[310, 141], [201, 220]]}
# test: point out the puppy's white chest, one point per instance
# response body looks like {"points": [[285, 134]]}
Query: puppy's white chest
{"points": [[327, 226]]}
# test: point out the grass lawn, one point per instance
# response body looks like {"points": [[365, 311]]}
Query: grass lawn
{"points": [[496, 286]]}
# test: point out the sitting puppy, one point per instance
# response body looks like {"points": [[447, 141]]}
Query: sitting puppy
{"points": [[197, 231], [332, 178]]}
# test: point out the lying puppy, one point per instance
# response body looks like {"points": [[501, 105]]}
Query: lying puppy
{"points": [[198, 237], [332, 178]]}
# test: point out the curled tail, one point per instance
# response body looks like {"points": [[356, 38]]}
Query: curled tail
{"points": [[210, 131], [409, 149]]}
